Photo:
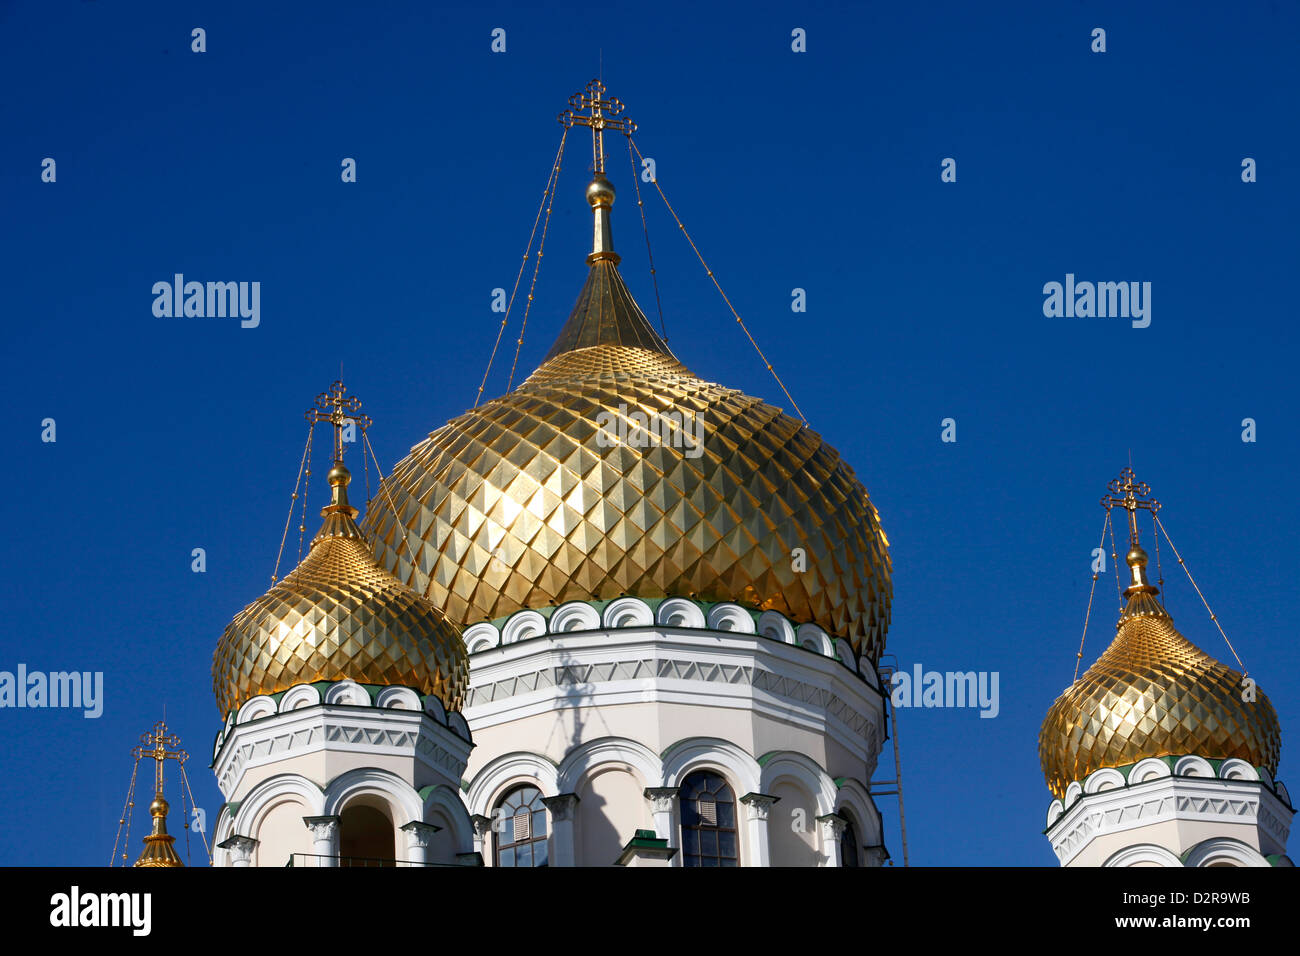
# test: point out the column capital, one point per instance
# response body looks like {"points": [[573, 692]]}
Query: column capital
{"points": [[759, 804], [482, 825], [240, 847], [833, 825], [418, 834], [661, 798], [322, 828], [561, 806]]}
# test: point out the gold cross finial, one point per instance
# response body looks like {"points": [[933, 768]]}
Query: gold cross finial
{"points": [[339, 409], [602, 114], [154, 744], [1130, 494]]}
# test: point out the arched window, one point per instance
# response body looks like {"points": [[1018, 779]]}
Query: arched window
{"points": [[519, 828], [849, 844], [708, 821]]}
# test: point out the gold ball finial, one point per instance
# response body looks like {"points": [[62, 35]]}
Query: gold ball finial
{"points": [[339, 475], [159, 807], [1136, 557], [600, 192]]}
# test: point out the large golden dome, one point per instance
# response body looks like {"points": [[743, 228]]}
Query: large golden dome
{"points": [[338, 616], [544, 495], [1153, 693]]}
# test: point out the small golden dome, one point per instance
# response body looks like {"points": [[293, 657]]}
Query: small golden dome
{"points": [[338, 616], [1153, 693], [159, 849], [551, 494]]}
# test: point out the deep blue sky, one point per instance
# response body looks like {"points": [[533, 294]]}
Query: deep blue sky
{"points": [[817, 170]]}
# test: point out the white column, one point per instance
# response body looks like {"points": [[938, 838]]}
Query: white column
{"points": [[758, 807], [240, 849], [663, 805], [832, 828], [325, 839], [563, 807], [418, 836]]}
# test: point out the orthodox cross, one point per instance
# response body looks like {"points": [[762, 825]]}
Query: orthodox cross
{"points": [[602, 114], [1130, 494], [339, 409], [154, 744]]}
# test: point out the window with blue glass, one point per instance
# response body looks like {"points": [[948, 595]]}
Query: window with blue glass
{"points": [[708, 821]]}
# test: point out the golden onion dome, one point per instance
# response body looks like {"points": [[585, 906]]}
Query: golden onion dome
{"points": [[1153, 693], [339, 615], [613, 470]]}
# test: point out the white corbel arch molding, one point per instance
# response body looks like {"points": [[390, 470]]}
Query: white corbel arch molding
{"points": [[1224, 851], [505, 771], [694, 753], [1143, 854], [446, 802], [269, 794], [298, 696], [679, 612], [730, 617], [521, 626], [1237, 769], [1152, 768], [802, 771], [405, 805], [854, 799], [1108, 778], [628, 612], [574, 616], [579, 762], [775, 626], [256, 708], [1193, 766], [481, 637]]}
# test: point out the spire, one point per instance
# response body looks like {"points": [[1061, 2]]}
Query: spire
{"points": [[343, 412], [1132, 495], [158, 848], [601, 114], [605, 313]]}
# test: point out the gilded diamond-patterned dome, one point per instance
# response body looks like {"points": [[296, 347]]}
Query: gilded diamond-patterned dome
{"points": [[1153, 693], [614, 470], [339, 615]]}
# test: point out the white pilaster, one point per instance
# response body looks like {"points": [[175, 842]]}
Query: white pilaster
{"points": [[562, 808], [240, 849], [325, 839], [832, 828], [758, 807], [418, 836]]}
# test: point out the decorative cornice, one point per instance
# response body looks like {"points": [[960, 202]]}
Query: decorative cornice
{"points": [[327, 727], [672, 613], [1158, 799], [681, 666]]}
